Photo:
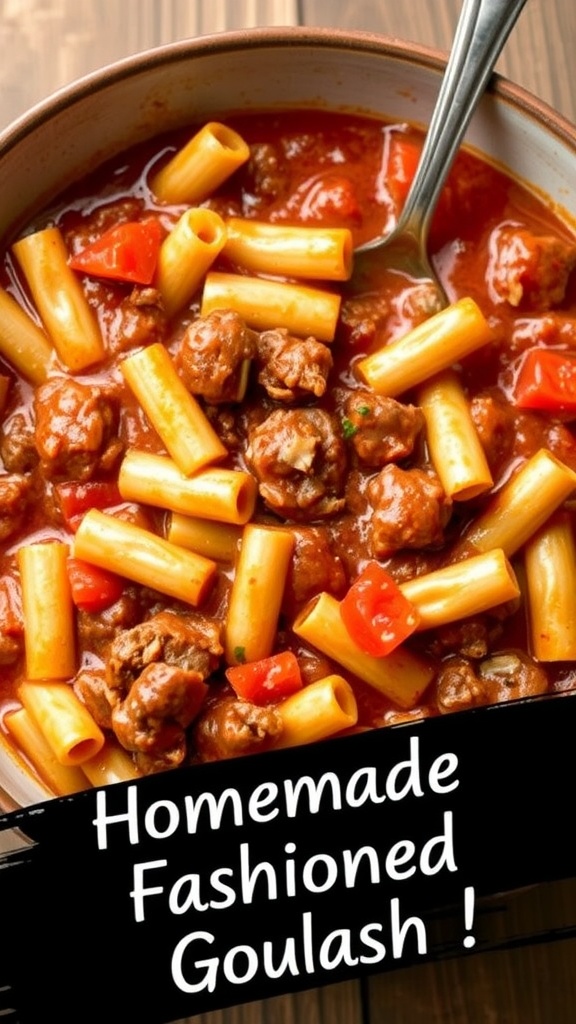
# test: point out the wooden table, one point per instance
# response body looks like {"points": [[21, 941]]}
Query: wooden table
{"points": [[45, 44]]}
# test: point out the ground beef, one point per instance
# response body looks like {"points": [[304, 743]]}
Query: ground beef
{"points": [[292, 367], [159, 707], [263, 172], [75, 429], [314, 567], [410, 510], [229, 727], [90, 687], [97, 630], [527, 270], [363, 317], [506, 676], [299, 459], [495, 424], [381, 429], [17, 448], [140, 320], [190, 642], [213, 355], [15, 495]]}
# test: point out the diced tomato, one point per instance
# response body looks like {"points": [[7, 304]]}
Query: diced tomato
{"points": [[126, 252], [266, 681], [93, 589], [77, 498], [546, 380], [402, 163], [375, 612]]}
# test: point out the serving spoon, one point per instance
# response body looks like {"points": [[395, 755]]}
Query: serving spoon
{"points": [[482, 30]]}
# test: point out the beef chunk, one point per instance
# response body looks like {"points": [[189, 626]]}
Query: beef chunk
{"points": [[90, 687], [363, 317], [292, 367], [212, 356], [527, 270], [410, 510], [140, 320], [17, 447], [314, 567], [160, 705], [381, 429], [15, 495], [505, 676], [190, 642], [75, 429], [299, 459], [229, 727]]}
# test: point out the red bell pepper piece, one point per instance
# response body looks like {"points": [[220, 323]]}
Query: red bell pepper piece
{"points": [[75, 498], [93, 588], [268, 680], [546, 380], [126, 252], [401, 168], [375, 612]]}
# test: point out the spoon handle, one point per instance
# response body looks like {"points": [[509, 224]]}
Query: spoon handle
{"points": [[482, 30]]}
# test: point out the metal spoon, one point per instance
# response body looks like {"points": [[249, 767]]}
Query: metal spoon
{"points": [[482, 30]]}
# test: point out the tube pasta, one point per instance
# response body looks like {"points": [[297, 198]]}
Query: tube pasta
{"points": [[432, 346], [264, 304], [212, 540], [463, 589], [140, 555], [257, 593], [200, 167], [227, 495], [174, 413], [186, 254], [111, 764], [521, 507], [48, 612], [64, 721], [402, 675], [455, 447], [22, 342], [550, 567], [317, 711], [59, 299], [285, 250], [61, 779]]}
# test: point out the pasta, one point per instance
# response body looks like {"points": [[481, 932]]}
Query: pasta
{"points": [[218, 541], [63, 720], [226, 495], [290, 251], [455, 448], [432, 346], [172, 410], [524, 504], [550, 565], [186, 254], [59, 299], [140, 555], [61, 779], [256, 594], [22, 342], [263, 304], [402, 676], [462, 590], [318, 711], [49, 631], [211, 156], [111, 764]]}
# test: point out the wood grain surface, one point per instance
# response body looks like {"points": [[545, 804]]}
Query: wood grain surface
{"points": [[46, 43]]}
